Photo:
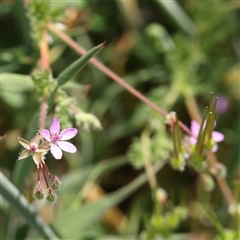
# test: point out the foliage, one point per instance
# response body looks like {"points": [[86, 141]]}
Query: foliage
{"points": [[175, 53]]}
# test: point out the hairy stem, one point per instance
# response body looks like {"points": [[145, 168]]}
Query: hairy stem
{"points": [[43, 114], [47, 170], [45, 64], [44, 175], [44, 52]]}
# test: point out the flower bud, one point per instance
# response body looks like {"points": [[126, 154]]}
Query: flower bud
{"points": [[234, 209], [51, 197], [39, 194], [178, 163], [208, 182], [161, 195], [56, 184], [170, 118]]}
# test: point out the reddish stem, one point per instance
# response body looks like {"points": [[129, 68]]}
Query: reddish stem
{"points": [[38, 177], [44, 51], [43, 114], [47, 170], [44, 175]]}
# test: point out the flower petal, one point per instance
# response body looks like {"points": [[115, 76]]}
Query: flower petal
{"points": [[55, 127], [195, 127], [215, 148], [67, 147], [193, 140], [56, 151], [46, 134], [217, 136], [68, 133]]}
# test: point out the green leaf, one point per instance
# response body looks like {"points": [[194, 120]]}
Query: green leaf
{"points": [[75, 67], [71, 223], [12, 88], [178, 15], [214, 220], [26, 210], [12, 82]]}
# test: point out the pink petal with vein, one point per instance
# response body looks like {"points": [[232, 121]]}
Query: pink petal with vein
{"points": [[55, 127], [56, 151], [68, 133], [67, 147], [46, 134], [217, 136]]}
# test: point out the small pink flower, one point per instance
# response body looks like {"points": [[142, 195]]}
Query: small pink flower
{"points": [[195, 128], [223, 104], [56, 137]]}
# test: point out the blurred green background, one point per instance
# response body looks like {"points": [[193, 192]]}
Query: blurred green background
{"points": [[172, 52]]}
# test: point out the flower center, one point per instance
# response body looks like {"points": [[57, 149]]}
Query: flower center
{"points": [[55, 138], [32, 148]]}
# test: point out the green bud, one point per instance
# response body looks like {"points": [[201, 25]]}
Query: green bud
{"points": [[178, 163], [197, 161], [170, 118], [39, 194], [181, 212], [209, 144], [56, 184], [51, 197], [208, 182], [234, 209], [161, 195]]}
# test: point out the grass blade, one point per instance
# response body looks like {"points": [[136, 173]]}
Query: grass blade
{"points": [[26, 210]]}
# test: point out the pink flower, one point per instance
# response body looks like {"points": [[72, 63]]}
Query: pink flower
{"points": [[195, 128], [222, 105], [56, 137]]}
